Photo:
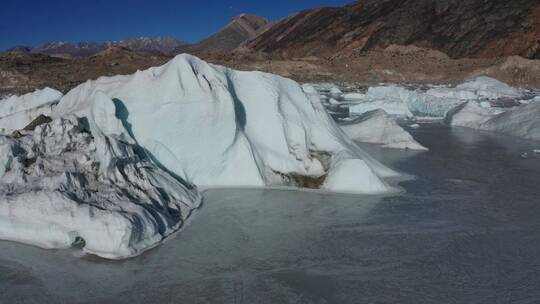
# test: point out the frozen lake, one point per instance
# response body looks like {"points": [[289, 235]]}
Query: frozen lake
{"points": [[466, 231]]}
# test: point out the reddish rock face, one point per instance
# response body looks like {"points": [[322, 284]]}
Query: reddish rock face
{"points": [[459, 28], [240, 29]]}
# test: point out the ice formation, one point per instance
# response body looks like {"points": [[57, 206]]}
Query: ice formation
{"points": [[435, 102], [115, 170], [400, 101], [380, 128], [484, 87], [213, 126], [85, 179], [523, 121], [17, 111]]}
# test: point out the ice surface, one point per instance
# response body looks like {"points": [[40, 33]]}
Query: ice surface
{"points": [[214, 126], [380, 128], [523, 121], [84, 180], [116, 169], [488, 88], [435, 102], [400, 101], [469, 114], [18, 111]]}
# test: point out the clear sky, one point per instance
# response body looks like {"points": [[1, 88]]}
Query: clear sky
{"points": [[32, 22]]}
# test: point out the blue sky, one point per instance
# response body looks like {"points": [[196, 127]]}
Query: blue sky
{"points": [[33, 22]]}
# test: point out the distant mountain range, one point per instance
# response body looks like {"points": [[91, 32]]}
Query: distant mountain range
{"points": [[240, 29], [367, 41], [164, 45]]}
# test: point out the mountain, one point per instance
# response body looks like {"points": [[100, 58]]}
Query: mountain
{"points": [[20, 48], [459, 28], [241, 29], [162, 45], [81, 49], [238, 31]]}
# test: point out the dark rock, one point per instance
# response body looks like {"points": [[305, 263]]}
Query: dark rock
{"points": [[40, 120]]}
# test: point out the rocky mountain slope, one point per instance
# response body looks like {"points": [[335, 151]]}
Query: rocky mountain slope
{"points": [[239, 30], [23, 72], [459, 28]]}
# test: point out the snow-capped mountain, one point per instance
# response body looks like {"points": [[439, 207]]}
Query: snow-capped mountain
{"points": [[164, 45]]}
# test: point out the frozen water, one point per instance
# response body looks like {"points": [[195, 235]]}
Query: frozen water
{"points": [[213, 126], [380, 128], [16, 112], [64, 183], [522, 122], [433, 101]]}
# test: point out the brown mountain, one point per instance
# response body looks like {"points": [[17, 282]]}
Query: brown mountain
{"points": [[459, 28], [239, 30], [22, 72]]}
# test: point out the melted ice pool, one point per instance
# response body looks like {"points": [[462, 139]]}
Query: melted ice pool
{"points": [[466, 231]]}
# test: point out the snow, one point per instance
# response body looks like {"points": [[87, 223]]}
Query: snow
{"points": [[120, 164], [521, 122], [380, 128], [16, 112]]}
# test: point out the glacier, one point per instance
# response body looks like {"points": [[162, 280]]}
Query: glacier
{"points": [[83, 180], [436, 101], [378, 127], [479, 103], [523, 121], [213, 126], [119, 168], [16, 112]]}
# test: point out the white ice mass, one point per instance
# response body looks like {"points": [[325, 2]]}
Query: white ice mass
{"points": [[434, 102], [478, 103], [523, 121], [380, 128], [18, 111], [116, 169]]}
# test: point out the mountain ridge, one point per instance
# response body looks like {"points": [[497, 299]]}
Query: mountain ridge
{"points": [[464, 28], [164, 45], [239, 30]]}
